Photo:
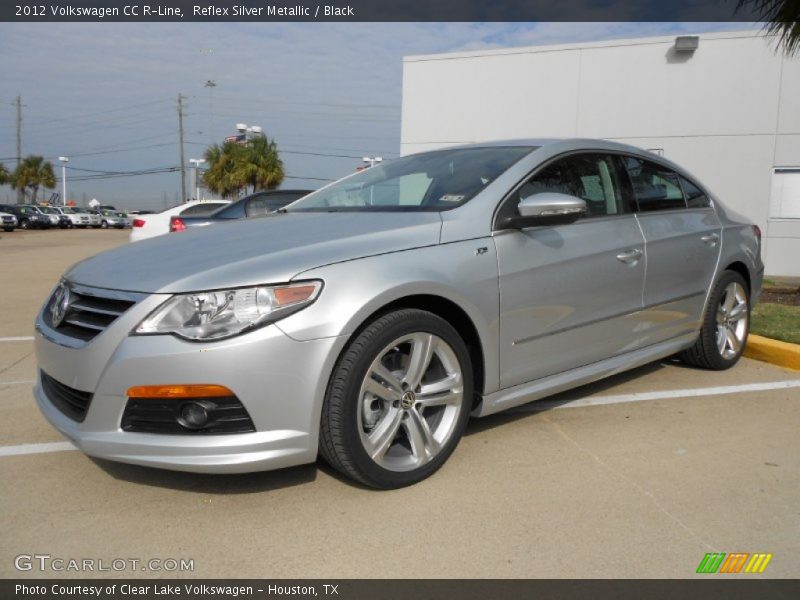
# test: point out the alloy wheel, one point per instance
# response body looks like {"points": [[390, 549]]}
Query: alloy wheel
{"points": [[410, 401], [732, 320]]}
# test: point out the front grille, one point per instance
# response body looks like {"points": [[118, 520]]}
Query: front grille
{"points": [[8, 219], [71, 402], [227, 415], [88, 313]]}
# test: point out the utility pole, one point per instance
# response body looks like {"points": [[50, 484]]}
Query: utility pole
{"points": [[180, 135], [20, 197]]}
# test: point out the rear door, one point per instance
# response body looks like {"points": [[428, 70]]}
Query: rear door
{"points": [[682, 241], [570, 295]]}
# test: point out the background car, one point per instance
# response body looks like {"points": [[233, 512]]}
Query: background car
{"points": [[54, 217], [255, 205], [27, 216], [111, 218], [77, 217], [147, 226], [57, 218], [8, 221]]}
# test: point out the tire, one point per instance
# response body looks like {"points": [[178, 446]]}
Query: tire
{"points": [[426, 426], [24, 224], [104, 225], [722, 338], [8, 229]]}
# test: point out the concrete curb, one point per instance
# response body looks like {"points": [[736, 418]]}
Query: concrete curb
{"points": [[775, 352]]}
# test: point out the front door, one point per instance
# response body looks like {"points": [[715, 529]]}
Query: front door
{"points": [[571, 295]]}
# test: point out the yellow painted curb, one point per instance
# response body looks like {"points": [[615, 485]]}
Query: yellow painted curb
{"points": [[775, 352]]}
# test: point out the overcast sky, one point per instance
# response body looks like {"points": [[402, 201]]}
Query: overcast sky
{"points": [[105, 93]]}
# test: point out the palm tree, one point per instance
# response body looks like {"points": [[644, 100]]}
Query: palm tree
{"points": [[34, 172], [261, 166], [221, 162], [4, 175], [782, 18], [254, 165]]}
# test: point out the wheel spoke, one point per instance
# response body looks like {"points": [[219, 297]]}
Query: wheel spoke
{"points": [[381, 438], [730, 299], [738, 312], [733, 340], [443, 385], [439, 399], [387, 376], [377, 389], [422, 348], [722, 338], [423, 445]]}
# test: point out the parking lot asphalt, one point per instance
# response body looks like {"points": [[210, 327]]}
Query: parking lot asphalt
{"points": [[637, 476]]}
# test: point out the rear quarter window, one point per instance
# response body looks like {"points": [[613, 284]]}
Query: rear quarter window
{"points": [[654, 187]]}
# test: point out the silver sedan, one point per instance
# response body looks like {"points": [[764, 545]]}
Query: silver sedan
{"points": [[367, 321]]}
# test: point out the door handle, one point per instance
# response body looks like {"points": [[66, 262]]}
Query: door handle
{"points": [[711, 239], [630, 257]]}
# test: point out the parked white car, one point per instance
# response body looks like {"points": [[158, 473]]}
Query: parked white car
{"points": [[9, 221], [147, 226], [77, 217]]}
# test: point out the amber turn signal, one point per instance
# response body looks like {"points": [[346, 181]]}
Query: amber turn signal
{"points": [[179, 391]]}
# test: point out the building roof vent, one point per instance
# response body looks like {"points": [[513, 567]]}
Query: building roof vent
{"points": [[686, 43]]}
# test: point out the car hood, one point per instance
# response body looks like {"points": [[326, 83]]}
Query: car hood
{"points": [[270, 249]]}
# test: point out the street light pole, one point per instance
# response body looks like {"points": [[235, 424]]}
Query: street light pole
{"points": [[64, 160], [197, 162]]}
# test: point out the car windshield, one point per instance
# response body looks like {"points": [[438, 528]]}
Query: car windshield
{"points": [[430, 181], [49, 210]]}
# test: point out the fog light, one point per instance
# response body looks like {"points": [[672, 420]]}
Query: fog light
{"points": [[194, 415]]}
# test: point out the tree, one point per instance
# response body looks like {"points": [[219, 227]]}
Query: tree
{"points": [[782, 18], [252, 166], [34, 172], [5, 177]]}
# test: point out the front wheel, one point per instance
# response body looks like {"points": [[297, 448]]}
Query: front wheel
{"points": [[104, 225], [726, 325], [398, 401]]}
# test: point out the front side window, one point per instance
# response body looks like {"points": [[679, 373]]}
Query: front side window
{"points": [[267, 203], [591, 177], [430, 181], [655, 187]]}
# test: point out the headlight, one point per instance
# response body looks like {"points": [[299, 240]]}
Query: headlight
{"points": [[225, 313]]}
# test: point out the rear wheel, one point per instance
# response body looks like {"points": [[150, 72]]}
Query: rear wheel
{"points": [[24, 224], [104, 225], [726, 325], [398, 401]]}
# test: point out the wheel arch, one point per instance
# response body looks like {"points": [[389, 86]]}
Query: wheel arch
{"points": [[741, 268], [450, 312]]}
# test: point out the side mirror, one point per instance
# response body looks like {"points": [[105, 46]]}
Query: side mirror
{"points": [[547, 208]]}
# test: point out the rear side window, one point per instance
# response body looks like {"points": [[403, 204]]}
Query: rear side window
{"points": [[199, 210], [262, 205], [695, 197], [654, 187], [592, 177]]}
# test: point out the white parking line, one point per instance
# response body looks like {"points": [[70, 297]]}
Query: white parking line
{"points": [[24, 338], [661, 395], [17, 382], [35, 448], [537, 406]]}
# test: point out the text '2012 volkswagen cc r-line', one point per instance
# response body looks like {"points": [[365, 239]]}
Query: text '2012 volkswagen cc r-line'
{"points": [[367, 321]]}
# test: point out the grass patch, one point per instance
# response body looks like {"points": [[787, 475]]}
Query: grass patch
{"points": [[776, 321]]}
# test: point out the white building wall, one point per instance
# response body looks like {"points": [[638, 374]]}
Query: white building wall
{"points": [[729, 112]]}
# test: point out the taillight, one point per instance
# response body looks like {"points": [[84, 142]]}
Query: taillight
{"points": [[139, 222], [757, 231], [176, 224]]}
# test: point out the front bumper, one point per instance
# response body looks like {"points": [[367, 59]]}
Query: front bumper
{"points": [[281, 383]]}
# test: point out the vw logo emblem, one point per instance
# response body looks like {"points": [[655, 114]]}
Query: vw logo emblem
{"points": [[60, 304]]}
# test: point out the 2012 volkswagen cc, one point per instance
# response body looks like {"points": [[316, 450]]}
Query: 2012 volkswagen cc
{"points": [[367, 321]]}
